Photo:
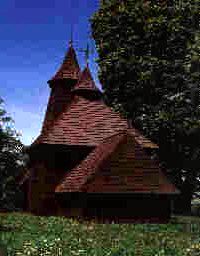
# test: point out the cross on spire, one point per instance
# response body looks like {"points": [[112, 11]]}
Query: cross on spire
{"points": [[87, 53]]}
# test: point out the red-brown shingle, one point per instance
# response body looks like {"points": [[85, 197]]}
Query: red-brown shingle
{"points": [[84, 123], [80, 174], [87, 122], [86, 81], [125, 170], [69, 69]]}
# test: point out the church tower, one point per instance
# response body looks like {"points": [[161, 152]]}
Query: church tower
{"points": [[61, 85]]}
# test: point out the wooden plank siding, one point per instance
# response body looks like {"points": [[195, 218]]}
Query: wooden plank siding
{"points": [[128, 169]]}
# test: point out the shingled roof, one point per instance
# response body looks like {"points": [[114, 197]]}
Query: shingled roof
{"points": [[119, 152], [77, 116], [86, 80], [83, 123], [69, 69], [87, 123], [80, 174], [76, 119], [59, 99]]}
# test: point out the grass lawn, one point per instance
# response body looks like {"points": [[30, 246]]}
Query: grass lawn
{"points": [[23, 234]]}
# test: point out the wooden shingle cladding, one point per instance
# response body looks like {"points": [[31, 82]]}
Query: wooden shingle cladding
{"points": [[61, 85], [85, 81], [117, 165], [59, 157], [69, 69], [87, 122], [42, 183], [88, 161], [86, 87], [93, 162], [83, 123], [141, 140], [60, 98], [80, 117]]}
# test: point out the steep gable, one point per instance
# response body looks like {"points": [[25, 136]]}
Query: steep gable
{"points": [[74, 180], [117, 165]]}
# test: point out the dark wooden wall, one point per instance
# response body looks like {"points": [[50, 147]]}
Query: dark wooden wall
{"points": [[49, 164], [127, 207], [116, 207], [129, 169]]}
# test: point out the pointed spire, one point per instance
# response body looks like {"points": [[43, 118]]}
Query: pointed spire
{"points": [[86, 80], [69, 69]]}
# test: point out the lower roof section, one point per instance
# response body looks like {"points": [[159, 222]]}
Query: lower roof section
{"points": [[118, 165]]}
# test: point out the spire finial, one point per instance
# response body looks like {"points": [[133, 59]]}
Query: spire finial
{"points": [[71, 36], [87, 54]]}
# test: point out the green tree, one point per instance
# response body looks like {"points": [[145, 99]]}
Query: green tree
{"points": [[146, 50], [11, 162]]}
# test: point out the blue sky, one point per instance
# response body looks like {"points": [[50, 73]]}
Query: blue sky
{"points": [[34, 39]]}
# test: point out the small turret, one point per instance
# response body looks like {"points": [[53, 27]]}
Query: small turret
{"points": [[86, 86], [69, 71], [61, 84]]}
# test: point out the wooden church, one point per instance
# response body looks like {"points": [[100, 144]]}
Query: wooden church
{"points": [[88, 162]]}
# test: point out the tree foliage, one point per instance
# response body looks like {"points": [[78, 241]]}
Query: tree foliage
{"points": [[148, 57], [11, 162]]}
